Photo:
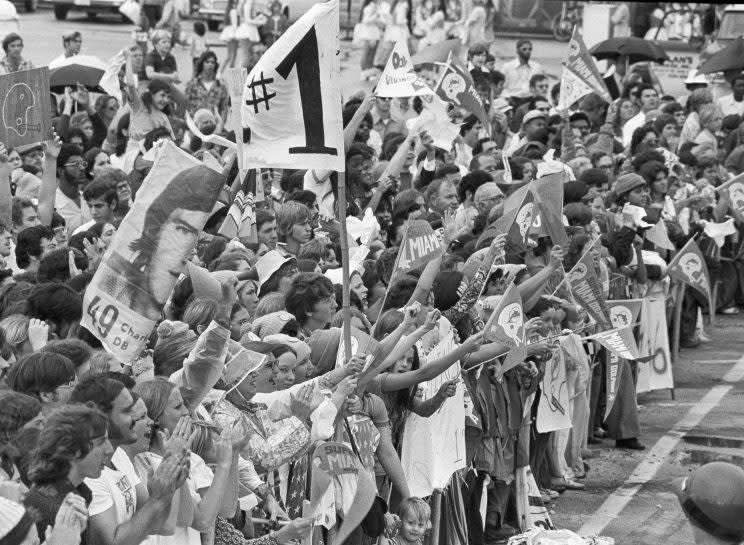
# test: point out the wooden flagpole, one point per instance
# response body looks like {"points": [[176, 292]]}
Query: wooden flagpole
{"points": [[346, 301]]}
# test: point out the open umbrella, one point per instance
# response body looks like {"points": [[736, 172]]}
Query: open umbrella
{"points": [[730, 57], [84, 69], [635, 49], [437, 52]]}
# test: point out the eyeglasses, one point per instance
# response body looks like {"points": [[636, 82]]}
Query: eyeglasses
{"points": [[77, 164]]}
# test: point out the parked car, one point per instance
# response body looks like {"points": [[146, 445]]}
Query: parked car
{"points": [[94, 7]]}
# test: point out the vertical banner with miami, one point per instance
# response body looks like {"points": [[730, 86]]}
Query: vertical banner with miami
{"points": [[419, 246]]}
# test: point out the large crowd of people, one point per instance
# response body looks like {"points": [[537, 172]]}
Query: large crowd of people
{"points": [[175, 447]]}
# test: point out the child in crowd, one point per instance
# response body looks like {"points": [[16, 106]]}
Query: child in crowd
{"points": [[275, 26], [415, 515], [198, 43]]}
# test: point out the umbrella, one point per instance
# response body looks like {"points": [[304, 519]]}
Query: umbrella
{"points": [[635, 49], [730, 57], [437, 52], [84, 69]]}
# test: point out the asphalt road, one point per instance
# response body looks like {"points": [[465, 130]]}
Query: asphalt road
{"points": [[629, 494], [107, 34]]}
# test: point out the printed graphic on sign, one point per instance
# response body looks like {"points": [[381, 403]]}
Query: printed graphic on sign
{"points": [[399, 79], [26, 108]]}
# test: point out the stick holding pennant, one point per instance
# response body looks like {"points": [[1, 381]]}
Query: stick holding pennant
{"points": [[580, 75], [399, 79]]}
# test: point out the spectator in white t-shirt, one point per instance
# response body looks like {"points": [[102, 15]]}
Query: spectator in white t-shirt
{"points": [[123, 510], [733, 104]]}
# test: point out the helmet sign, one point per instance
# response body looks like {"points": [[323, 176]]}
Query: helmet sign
{"points": [[26, 110]]}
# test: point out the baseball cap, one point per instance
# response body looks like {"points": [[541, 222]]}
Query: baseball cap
{"points": [[533, 114], [501, 104]]}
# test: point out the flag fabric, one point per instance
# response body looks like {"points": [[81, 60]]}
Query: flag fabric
{"points": [[580, 75], [398, 79], [620, 341], [548, 192], [290, 111], [419, 246], [456, 86], [297, 485], [625, 313], [689, 267], [133, 282], [615, 369], [240, 221], [587, 291], [735, 189], [517, 221], [506, 326]]}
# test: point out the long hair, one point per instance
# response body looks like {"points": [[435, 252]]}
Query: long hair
{"points": [[190, 191], [67, 434], [155, 393]]}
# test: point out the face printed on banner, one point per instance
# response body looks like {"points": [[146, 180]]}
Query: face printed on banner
{"points": [[175, 244]]}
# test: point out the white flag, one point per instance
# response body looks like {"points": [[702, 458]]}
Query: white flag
{"points": [[398, 79], [291, 107]]}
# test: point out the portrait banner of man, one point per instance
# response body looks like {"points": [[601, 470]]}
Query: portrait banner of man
{"points": [[126, 297]]}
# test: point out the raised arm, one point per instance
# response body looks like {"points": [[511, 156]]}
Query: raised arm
{"points": [[48, 188], [6, 199], [531, 289]]}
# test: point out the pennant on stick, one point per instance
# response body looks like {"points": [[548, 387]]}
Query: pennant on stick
{"points": [[580, 75], [457, 86], [398, 79], [619, 341], [689, 266], [586, 289], [419, 246], [506, 326], [625, 313]]}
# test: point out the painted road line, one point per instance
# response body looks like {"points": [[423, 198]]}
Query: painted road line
{"points": [[647, 468]]}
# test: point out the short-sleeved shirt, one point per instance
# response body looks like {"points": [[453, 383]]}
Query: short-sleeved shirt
{"points": [[115, 487], [366, 426], [164, 65]]}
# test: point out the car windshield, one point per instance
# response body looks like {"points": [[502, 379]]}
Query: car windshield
{"points": [[732, 25]]}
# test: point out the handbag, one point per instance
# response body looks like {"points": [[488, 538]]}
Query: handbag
{"points": [[373, 524]]}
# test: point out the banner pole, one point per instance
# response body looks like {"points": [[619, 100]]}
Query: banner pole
{"points": [[677, 317], [345, 295]]}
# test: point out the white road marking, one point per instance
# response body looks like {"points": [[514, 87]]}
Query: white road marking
{"points": [[716, 361], [647, 468]]}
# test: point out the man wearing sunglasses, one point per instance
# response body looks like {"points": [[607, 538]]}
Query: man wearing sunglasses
{"points": [[70, 181]]}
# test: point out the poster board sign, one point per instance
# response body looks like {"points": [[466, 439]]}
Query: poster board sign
{"points": [[27, 112], [553, 412], [426, 464]]}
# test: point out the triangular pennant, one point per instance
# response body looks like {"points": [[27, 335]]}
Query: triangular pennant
{"points": [[613, 375], [457, 86], [580, 74], [735, 189], [586, 289], [624, 313], [419, 246], [398, 79], [620, 341], [289, 108], [689, 267], [548, 191], [506, 326]]}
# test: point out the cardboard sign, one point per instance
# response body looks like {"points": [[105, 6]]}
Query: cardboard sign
{"points": [[553, 411], [126, 297], [27, 111]]}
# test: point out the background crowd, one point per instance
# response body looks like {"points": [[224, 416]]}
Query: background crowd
{"points": [[174, 448]]}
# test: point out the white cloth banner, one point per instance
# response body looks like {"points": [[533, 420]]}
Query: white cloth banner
{"points": [[553, 412], [434, 448], [290, 110], [655, 374]]}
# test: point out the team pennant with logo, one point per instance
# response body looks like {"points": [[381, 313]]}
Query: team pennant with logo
{"points": [[506, 326], [689, 267], [580, 75], [399, 79]]}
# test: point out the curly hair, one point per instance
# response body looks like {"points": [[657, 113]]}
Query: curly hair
{"points": [[68, 434], [306, 291]]}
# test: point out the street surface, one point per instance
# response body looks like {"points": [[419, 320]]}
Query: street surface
{"points": [[106, 35], [629, 494]]}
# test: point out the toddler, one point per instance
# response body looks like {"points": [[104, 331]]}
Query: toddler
{"points": [[414, 515]]}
